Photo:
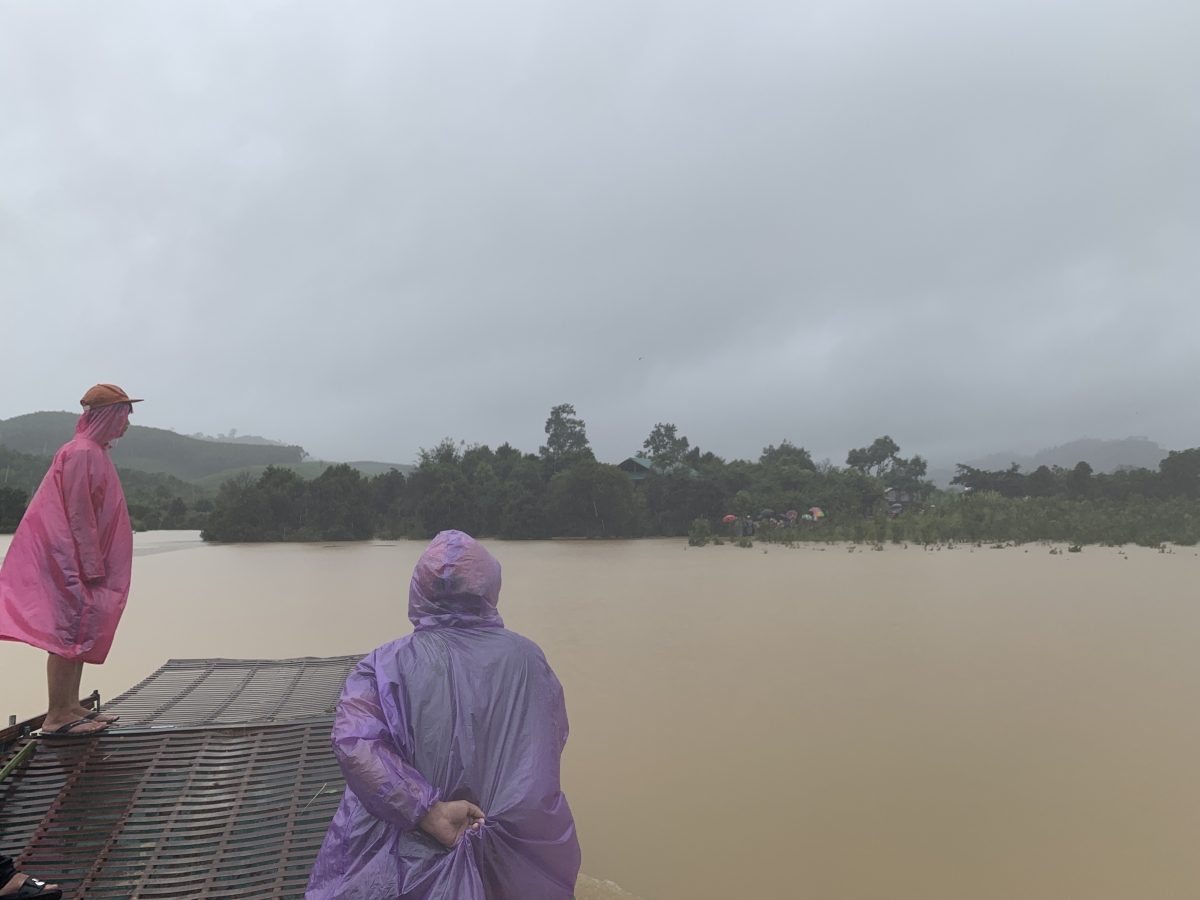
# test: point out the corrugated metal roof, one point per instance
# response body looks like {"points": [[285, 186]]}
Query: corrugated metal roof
{"points": [[234, 813], [234, 691], [220, 783]]}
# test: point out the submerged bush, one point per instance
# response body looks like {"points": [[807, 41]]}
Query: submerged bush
{"points": [[976, 518], [700, 533]]}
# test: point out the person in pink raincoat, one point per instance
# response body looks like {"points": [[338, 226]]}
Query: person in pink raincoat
{"points": [[65, 580]]}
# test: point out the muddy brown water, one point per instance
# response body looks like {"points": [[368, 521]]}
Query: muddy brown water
{"points": [[818, 723]]}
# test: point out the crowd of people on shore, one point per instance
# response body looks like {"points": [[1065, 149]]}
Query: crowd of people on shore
{"points": [[746, 525]]}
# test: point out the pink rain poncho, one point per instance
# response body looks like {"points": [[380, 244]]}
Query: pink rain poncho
{"points": [[462, 709], [65, 580]]}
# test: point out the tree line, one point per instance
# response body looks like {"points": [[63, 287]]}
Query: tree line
{"points": [[564, 491], [1177, 476], [560, 491]]}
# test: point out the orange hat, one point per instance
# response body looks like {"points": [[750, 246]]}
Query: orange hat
{"points": [[105, 395]]}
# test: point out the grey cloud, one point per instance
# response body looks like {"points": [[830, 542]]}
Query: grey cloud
{"points": [[361, 228]]}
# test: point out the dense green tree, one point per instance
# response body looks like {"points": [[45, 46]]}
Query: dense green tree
{"points": [[12, 507], [1009, 482], [1181, 473], [1041, 482], [877, 456], [883, 460], [675, 499], [665, 446], [1079, 482], [788, 452], [907, 474], [388, 496], [442, 495], [175, 515], [591, 499], [339, 505], [565, 433], [282, 506], [523, 516], [269, 509]]}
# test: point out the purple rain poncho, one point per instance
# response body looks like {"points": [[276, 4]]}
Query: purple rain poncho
{"points": [[461, 709]]}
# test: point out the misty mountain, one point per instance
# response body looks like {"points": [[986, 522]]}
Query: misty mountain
{"points": [[203, 461], [147, 449], [234, 438], [1102, 456]]}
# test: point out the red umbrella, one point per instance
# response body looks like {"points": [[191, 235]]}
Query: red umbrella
{"points": [[792, 514], [816, 512], [729, 519]]}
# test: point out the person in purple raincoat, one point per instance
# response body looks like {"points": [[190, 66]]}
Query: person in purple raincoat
{"points": [[450, 740]]}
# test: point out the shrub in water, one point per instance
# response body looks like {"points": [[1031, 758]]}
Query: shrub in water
{"points": [[700, 533]]}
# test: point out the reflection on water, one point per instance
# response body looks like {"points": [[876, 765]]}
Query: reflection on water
{"points": [[588, 888], [906, 724]]}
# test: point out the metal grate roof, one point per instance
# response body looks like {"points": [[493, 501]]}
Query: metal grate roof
{"points": [[234, 813], [190, 692]]}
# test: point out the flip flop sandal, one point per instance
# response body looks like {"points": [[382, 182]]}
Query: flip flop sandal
{"points": [[32, 888], [91, 717], [65, 733]]}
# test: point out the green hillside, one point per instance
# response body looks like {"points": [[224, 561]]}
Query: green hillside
{"points": [[147, 449], [169, 479], [155, 500]]}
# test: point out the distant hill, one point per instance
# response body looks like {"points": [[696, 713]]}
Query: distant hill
{"points": [[234, 438], [147, 449], [26, 470], [204, 462], [1102, 456]]}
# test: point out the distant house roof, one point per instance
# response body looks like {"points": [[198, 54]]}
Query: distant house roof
{"points": [[636, 467]]}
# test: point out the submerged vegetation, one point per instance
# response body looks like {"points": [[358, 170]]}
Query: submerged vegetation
{"points": [[988, 517]]}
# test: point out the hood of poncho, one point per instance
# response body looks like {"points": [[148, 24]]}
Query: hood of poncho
{"points": [[103, 425], [456, 584]]}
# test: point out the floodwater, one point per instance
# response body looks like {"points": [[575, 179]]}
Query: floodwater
{"points": [[816, 722]]}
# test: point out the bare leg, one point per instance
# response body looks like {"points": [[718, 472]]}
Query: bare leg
{"points": [[77, 709], [62, 678]]}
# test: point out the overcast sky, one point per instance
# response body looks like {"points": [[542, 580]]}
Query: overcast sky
{"points": [[364, 226]]}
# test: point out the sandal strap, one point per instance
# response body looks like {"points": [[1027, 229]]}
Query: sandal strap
{"points": [[33, 889]]}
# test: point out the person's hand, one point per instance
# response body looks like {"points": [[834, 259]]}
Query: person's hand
{"points": [[446, 823]]}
